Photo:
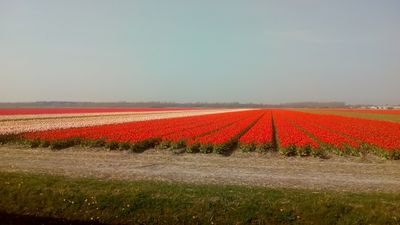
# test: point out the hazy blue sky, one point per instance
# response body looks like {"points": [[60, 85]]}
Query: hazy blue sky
{"points": [[184, 51]]}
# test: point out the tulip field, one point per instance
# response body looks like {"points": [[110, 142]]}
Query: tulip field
{"points": [[290, 132]]}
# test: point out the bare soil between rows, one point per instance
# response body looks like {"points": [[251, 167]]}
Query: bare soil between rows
{"points": [[250, 169]]}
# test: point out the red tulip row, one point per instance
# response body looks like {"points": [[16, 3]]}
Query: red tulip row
{"points": [[289, 135], [260, 136], [189, 133], [225, 134]]}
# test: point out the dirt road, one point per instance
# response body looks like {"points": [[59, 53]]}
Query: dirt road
{"points": [[272, 170]]}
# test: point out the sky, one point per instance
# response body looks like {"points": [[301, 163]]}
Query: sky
{"points": [[275, 51]]}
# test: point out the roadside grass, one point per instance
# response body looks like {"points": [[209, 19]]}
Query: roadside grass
{"points": [[152, 202], [362, 115]]}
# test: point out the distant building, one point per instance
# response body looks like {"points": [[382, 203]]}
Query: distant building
{"points": [[378, 107]]}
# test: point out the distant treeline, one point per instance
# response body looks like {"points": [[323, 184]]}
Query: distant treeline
{"points": [[58, 104]]}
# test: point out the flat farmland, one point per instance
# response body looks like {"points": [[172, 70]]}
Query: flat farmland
{"points": [[296, 166], [289, 132], [197, 145]]}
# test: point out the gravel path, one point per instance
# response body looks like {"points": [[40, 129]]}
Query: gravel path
{"points": [[272, 170]]}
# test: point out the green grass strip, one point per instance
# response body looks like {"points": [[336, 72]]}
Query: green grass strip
{"points": [[150, 202]]}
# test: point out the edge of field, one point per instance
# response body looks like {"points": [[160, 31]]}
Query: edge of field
{"points": [[33, 198], [360, 115]]}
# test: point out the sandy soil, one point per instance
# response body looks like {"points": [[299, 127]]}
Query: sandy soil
{"points": [[272, 170]]}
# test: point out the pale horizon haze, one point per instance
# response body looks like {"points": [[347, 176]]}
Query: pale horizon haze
{"points": [[209, 51]]}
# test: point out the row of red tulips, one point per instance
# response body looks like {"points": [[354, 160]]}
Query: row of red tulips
{"points": [[260, 136]]}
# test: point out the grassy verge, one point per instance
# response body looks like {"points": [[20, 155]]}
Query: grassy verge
{"points": [[149, 202]]}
